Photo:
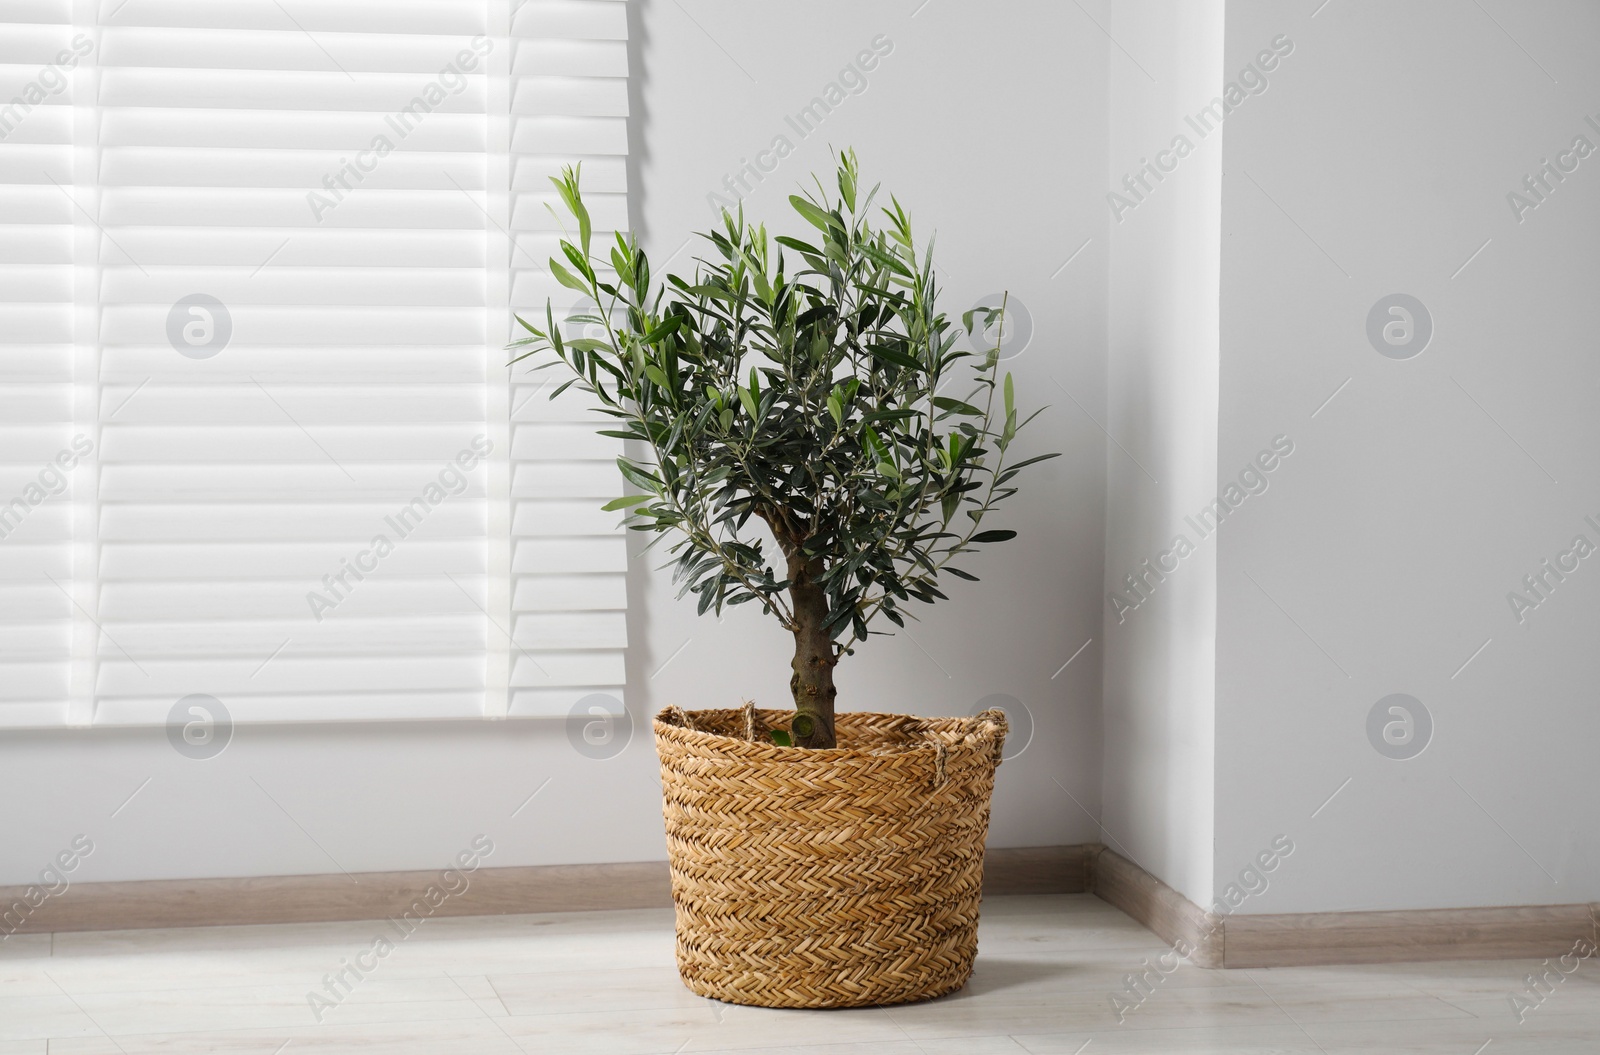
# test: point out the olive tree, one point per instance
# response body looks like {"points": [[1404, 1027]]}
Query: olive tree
{"points": [[832, 405]]}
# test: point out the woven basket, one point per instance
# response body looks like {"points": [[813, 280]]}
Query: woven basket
{"points": [[839, 878]]}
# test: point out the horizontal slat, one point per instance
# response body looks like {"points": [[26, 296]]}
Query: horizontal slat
{"points": [[33, 41], [597, 479], [298, 405], [601, 173], [35, 601], [421, 449], [276, 522], [532, 212], [379, 593], [572, 19], [125, 368], [543, 442], [18, 12], [534, 556], [570, 97], [350, 705], [34, 365], [260, 324], [256, 632], [36, 640], [308, 481], [533, 519], [28, 560], [590, 630], [302, 170], [569, 135], [399, 287], [445, 208], [288, 674], [39, 283], [37, 404], [570, 58], [360, 18], [34, 713], [284, 129], [558, 703], [286, 48], [262, 248], [48, 123], [411, 94], [303, 562], [531, 400], [533, 668], [39, 203], [23, 162], [569, 593]]}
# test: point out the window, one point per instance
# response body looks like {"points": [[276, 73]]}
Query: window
{"points": [[257, 438]]}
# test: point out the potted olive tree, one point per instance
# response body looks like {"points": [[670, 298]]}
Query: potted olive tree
{"points": [[816, 441]]}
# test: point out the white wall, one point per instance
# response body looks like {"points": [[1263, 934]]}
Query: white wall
{"points": [[1379, 161], [993, 130], [1161, 409]]}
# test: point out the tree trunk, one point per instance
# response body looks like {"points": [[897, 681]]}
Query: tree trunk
{"points": [[814, 659]]}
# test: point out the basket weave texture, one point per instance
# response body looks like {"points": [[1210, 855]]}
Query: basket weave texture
{"points": [[840, 878]]}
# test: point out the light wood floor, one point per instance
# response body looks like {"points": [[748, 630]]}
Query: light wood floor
{"points": [[604, 983]]}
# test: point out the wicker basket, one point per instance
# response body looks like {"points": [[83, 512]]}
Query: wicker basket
{"points": [[839, 878]]}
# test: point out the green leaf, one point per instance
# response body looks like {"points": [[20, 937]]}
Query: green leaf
{"points": [[894, 356], [585, 228], [567, 278], [589, 344], [956, 406], [1036, 458], [813, 215], [624, 502], [670, 326], [798, 246], [891, 415], [637, 476], [781, 738], [885, 260], [997, 535]]}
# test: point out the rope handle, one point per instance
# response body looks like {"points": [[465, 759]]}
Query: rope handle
{"points": [[996, 719], [993, 721]]}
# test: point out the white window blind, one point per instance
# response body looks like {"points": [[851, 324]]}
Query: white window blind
{"points": [[258, 261]]}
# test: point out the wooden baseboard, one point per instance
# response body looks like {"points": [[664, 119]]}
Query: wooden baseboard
{"points": [[1231, 941], [1171, 916], [1039, 869], [1328, 938], [325, 898], [484, 892], [1513, 933]]}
